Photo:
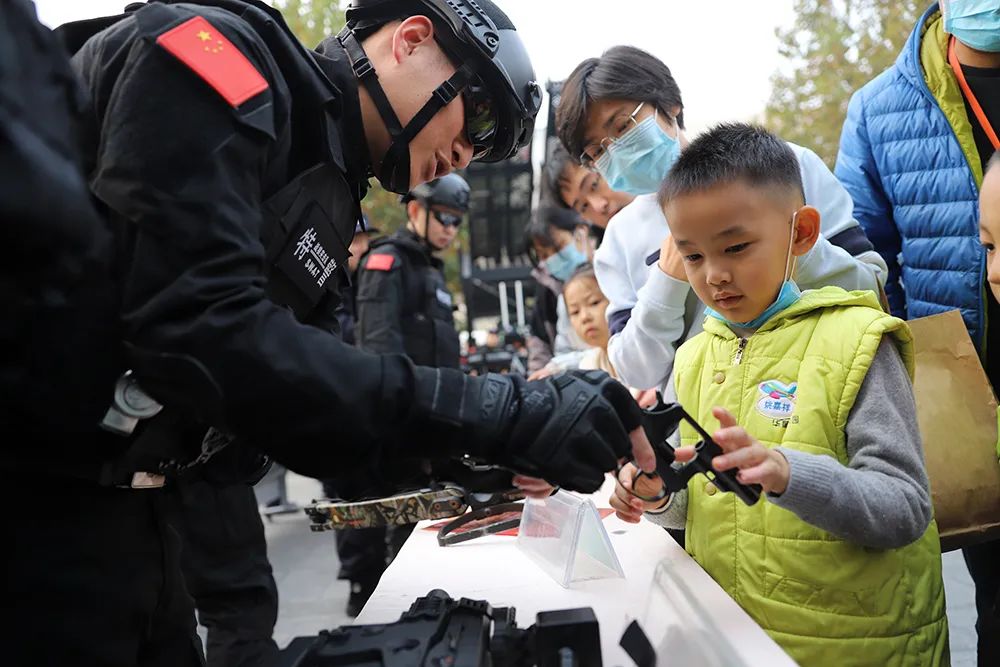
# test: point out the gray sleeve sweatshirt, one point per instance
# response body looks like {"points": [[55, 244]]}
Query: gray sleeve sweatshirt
{"points": [[881, 498]]}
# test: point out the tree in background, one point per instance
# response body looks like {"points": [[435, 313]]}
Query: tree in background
{"points": [[834, 48]]}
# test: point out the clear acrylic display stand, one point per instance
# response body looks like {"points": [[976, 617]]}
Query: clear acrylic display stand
{"points": [[680, 629], [565, 536]]}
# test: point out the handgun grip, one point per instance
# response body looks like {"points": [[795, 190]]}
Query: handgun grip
{"points": [[725, 480]]}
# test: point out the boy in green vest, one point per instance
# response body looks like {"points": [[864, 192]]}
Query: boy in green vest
{"points": [[839, 561]]}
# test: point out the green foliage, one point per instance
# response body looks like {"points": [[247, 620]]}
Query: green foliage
{"points": [[312, 21], [834, 48]]}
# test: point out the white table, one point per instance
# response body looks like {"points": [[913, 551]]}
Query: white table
{"points": [[493, 569]]}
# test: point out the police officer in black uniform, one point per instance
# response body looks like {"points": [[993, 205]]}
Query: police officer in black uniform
{"points": [[404, 306], [230, 162]]}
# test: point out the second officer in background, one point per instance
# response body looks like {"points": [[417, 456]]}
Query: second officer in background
{"points": [[404, 305]]}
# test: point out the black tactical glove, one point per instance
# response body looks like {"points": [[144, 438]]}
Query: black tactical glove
{"points": [[568, 429]]}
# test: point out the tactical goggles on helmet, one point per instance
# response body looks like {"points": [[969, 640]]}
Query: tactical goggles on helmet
{"points": [[448, 219], [480, 118]]}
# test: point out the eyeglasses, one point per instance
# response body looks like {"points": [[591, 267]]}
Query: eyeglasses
{"points": [[593, 153], [480, 118], [448, 219]]}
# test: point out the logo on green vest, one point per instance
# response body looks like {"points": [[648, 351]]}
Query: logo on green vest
{"points": [[777, 400]]}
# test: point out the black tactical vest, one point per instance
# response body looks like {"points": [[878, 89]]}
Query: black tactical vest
{"points": [[428, 321]]}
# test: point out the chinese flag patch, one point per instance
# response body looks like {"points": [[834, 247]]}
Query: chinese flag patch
{"points": [[380, 262], [197, 44]]}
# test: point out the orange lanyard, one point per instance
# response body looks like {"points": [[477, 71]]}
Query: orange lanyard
{"points": [[970, 98]]}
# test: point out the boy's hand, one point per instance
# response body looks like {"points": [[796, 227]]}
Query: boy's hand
{"points": [[628, 507], [757, 464], [671, 261]]}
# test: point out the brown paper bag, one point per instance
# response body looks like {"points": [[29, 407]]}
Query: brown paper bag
{"points": [[957, 412]]}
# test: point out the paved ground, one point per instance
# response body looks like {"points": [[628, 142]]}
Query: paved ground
{"points": [[311, 597]]}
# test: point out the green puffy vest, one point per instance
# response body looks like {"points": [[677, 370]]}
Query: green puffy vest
{"points": [[793, 383]]}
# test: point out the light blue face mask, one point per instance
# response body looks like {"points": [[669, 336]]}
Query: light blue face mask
{"points": [[787, 295], [639, 160], [562, 264], [975, 23]]}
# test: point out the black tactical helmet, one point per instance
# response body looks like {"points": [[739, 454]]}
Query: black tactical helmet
{"points": [[494, 77], [450, 190]]}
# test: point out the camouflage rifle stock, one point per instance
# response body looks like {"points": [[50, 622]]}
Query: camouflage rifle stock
{"points": [[444, 501]]}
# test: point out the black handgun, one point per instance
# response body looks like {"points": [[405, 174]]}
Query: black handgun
{"points": [[659, 423]]}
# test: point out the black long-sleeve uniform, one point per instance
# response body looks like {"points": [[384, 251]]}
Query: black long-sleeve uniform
{"points": [[403, 303], [234, 224]]}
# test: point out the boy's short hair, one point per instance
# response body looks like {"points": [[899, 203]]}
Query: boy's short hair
{"points": [[733, 152], [622, 72]]}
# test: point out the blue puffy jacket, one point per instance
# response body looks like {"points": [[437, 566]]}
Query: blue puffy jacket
{"points": [[909, 160]]}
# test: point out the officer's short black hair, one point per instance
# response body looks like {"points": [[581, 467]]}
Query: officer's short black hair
{"points": [[554, 174], [622, 72], [733, 152]]}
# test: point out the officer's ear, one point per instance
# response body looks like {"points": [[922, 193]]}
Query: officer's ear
{"points": [[415, 211], [411, 34]]}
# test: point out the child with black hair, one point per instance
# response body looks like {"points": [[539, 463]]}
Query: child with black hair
{"points": [[585, 304], [840, 560], [571, 185], [557, 243]]}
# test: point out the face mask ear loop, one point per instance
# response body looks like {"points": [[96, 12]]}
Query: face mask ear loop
{"points": [[427, 228], [789, 260]]}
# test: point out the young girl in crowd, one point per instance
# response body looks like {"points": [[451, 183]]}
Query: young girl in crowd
{"points": [[839, 561], [586, 305]]}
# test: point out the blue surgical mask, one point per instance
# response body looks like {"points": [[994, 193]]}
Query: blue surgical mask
{"points": [[787, 295], [975, 23], [562, 264], [639, 160]]}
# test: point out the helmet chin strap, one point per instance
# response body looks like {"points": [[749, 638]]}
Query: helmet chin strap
{"points": [[394, 170], [425, 238]]}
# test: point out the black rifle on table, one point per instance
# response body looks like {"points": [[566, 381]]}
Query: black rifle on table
{"points": [[438, 630]]}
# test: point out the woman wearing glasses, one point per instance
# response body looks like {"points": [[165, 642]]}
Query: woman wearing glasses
{"points": [[622, 116]]}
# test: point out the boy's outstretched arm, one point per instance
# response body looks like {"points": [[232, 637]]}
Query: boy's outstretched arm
{"points": [[881, 498]]}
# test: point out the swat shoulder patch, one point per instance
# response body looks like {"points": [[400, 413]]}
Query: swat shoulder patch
{"points": [[203, 48], [380, 262]]}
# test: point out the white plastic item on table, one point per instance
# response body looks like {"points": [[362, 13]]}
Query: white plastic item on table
{"points": [[564, 535]]}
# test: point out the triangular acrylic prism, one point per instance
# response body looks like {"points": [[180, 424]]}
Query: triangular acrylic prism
{"points": [[565, 536]]}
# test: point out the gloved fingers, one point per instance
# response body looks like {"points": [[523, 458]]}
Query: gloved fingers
{"points": [[603, 437], [616, 394]]}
